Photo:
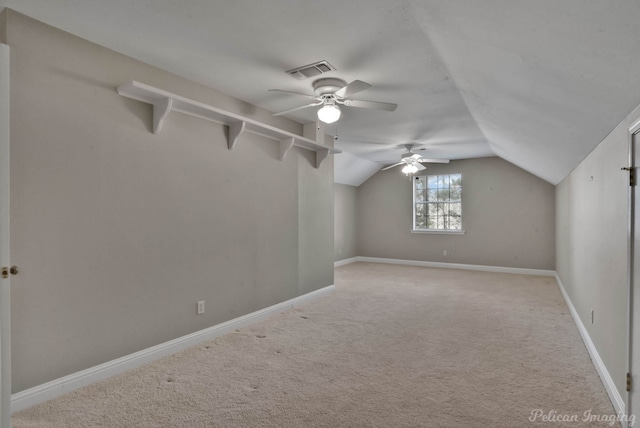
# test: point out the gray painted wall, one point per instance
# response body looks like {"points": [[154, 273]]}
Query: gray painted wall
{"points": [[508, 216], [315, 227], [344, 213], [591, 245], [119, 232]]}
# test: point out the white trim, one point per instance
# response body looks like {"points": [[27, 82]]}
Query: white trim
{"points": [[5, 228], [631, 268], [482, 268], [30, 397], [300, 300], [607, 380], [633, 129], [345, 262], [438, 231]]}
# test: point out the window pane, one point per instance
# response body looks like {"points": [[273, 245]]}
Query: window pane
{"points": [[439, 210], [455, 194], [455, 209], [438, 202], [433, 182], [421, 217], [443, 194], [455, 215]]}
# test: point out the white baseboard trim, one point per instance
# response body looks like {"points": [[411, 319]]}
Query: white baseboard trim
{"points": [[30, 397], [499, 269], [345, 262], [38, 394], [615, 397]]}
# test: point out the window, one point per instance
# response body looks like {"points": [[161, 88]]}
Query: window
{"points": [[437, 203]]}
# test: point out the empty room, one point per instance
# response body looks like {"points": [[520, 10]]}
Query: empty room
{"points": [[357, 213]]}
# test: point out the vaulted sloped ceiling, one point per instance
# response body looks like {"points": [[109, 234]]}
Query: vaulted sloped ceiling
{"points": [[545, 81], [538, 83]]}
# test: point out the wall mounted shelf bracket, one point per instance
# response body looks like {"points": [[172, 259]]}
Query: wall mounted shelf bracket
{"points": [[164, 102]]}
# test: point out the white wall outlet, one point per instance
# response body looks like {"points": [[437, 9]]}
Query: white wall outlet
{"points": [[339, 250], [444, 253], [201, 307]]}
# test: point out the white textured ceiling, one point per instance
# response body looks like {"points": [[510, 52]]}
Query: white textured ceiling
{"points": [[538, 83]]}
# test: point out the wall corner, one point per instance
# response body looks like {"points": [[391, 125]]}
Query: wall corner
{"points": [[3, 25]]}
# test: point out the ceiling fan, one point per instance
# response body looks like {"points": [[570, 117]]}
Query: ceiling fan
{"points": [[413, 161], [329, 93]]}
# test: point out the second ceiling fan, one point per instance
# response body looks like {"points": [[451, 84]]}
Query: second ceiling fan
{"points": [[413, 161], [330, 93]]}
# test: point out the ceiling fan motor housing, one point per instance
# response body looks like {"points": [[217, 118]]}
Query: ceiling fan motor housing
{"points": [[328, 86], [410, 155]]}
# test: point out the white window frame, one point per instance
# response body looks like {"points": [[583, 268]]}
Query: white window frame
{"points": [[460, 231]]}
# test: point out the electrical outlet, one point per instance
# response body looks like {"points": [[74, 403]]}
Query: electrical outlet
{"points": [[444, 253], [201, 307], [339, 250]]}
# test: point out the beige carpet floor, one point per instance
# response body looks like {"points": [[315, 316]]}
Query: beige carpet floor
{"points": [[394, 346]]}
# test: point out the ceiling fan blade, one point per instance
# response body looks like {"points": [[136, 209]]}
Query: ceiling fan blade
{"points": [[434, 160], [391, 166], [419, 166], [280, 113], [371, 104], [352, 88], [311, 97]]}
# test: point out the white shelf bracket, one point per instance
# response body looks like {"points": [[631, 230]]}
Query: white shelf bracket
{"points": [[285, 145], [160, 111], [234, 132], [320, 156], [163, 102]]}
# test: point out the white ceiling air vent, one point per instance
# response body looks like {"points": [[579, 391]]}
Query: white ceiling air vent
{"points": [[310, 70]]}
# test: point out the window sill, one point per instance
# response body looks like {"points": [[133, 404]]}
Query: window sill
{"points": [[438, 232]]}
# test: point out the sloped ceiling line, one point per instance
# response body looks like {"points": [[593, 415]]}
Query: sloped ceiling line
{"points": [[538, 83]]}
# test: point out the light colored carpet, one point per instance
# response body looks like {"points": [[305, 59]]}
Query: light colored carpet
{"points": [[395, 346]]}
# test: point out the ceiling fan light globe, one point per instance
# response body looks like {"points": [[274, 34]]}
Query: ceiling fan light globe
{"points": [[329, 113], [410, 169]]}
